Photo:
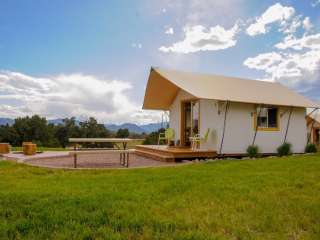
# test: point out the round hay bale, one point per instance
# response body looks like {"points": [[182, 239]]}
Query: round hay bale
{"points": [[4, 148], [29, 148]]}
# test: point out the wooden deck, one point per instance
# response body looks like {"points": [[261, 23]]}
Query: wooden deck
{"points": [[172, 154]]}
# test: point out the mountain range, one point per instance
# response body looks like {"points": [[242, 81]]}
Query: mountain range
{"points": [[5, 121], [147, 128], [132, 127]]}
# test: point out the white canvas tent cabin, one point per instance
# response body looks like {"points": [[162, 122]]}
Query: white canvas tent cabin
{"points": [[313, 126], [238, 112]]}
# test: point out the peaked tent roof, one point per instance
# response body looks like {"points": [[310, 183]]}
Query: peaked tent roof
{"points": [[163, 86]]}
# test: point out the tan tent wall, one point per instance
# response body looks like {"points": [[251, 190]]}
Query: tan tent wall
{"points": [[240, 126]]}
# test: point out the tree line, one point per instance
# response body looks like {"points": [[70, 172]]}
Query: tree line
{"points": [[36, 129]]}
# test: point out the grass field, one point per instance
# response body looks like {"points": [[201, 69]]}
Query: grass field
{"points": [[272, 198]]}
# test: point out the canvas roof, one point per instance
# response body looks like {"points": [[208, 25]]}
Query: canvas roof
{"points": [[315, 115], [163, 86]]}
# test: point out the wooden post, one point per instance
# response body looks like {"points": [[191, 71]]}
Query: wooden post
{"points": [[127, 160], [285, 136], [121, 158], [256, 127], [75, 156], [224, 126], [124, 145]]}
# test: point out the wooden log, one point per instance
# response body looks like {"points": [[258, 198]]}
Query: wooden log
{"points": [[4, 148]]}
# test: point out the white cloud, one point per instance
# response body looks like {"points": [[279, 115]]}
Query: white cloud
{"points": [[263, 61], [306, 42], [198, 38], [307, 25], [291, 26], [76, 95], [169, 31], [296, 63], [275, 13], [292, 69]]}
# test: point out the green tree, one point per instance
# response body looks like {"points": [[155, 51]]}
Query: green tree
{"points": [[33, 129], [152, 138], [69, 129], [122, 133], [8, 134], [52, 140], [92, 129]]}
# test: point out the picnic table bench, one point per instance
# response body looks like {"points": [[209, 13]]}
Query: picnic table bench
{"points": [[124, 152]]}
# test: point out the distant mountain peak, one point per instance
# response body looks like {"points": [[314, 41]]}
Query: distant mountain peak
{"points": [[132, 127], [5, 121]]}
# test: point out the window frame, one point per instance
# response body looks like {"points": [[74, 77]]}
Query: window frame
{"points": [[256, 112]]}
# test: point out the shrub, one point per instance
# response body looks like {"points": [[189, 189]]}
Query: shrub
{"points": [[253, 151], [311, 148], [284, 149]]}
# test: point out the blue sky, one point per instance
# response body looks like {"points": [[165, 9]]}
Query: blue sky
{"points": [[92, 58]]}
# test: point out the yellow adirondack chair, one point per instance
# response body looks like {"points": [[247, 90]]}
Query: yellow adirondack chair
{"points": [[168, 135], [196, 139]]}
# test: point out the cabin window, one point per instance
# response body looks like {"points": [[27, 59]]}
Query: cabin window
{"points": [[267, 118]]}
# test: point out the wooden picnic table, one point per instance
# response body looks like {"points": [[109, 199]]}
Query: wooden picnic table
{"points": [[124, 141], [124, 153]]}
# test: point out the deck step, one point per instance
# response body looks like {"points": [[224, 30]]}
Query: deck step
{"points": [[164, 153], [152, 150], [154, 155]]}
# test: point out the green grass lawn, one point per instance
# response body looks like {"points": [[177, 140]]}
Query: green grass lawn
{"points": [[272, 198]]}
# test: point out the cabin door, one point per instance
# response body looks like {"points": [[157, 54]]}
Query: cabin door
{"points": [[190, 114], [317, 136]]}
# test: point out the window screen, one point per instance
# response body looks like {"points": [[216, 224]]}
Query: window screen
{"points": [[267, 117], [272, 117]]}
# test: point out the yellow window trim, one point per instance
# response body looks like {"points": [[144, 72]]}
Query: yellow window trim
{"points": [[273, 129], [268, 129]]}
